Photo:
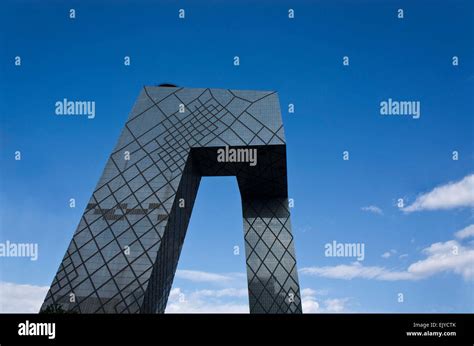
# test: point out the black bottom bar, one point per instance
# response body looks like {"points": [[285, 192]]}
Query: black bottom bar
{"points": [[349, 329]]}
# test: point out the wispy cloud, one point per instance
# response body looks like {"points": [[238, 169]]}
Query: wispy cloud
{"points": [[389, 254], [452, 195], [226, 292], [466, 232], [313, 292], [356, 270], [201, 276], [442, 257], [372, 209], [16, 298]]}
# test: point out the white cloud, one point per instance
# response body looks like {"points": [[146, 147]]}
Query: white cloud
{"points": [[452, 195], [335, 305], [373, 209], [208, 301], [16, 298], [441, 257], [448, 256], [466, 232], [310, 303], [308, 300]]}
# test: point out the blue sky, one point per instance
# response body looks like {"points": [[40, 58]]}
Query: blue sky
{"points": [[336, 109]]}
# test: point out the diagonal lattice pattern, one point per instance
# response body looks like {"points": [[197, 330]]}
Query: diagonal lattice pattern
{"points": [[125, 251]]}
